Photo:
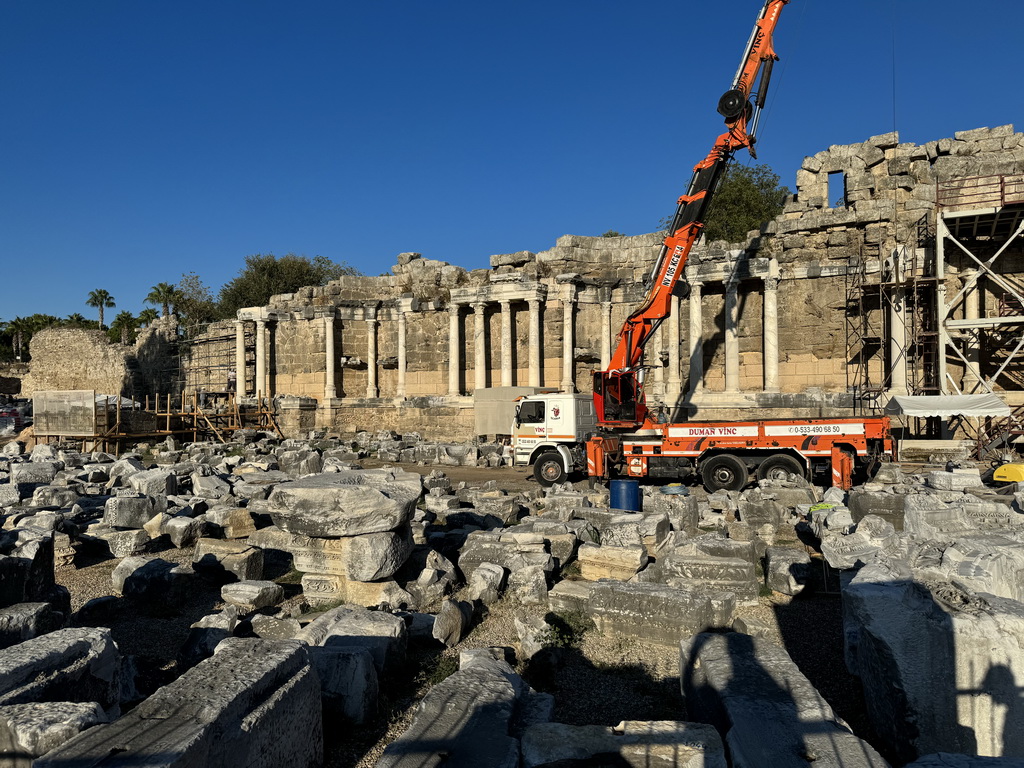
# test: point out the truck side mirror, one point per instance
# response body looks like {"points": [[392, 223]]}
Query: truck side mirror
{"points": [[515, 421]]}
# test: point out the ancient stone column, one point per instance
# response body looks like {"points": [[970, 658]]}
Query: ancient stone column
{"points": [[771, 328], [453, 350], [240, 358], [606, 333], [506, 343], [371, 356], [480, 345], [732, 343], [330, 390], [261, 358], [535, 350], [673, 352], [568, 338], [696, 340], [402, 357]]}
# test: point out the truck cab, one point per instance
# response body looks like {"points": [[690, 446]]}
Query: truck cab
{"points": [[550, 432]]}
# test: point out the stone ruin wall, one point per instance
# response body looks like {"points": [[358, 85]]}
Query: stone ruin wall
{"points": [[804, 261], [75, 358]]}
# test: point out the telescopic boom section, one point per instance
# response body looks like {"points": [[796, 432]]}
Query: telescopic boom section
{"points": [[618, 391]]}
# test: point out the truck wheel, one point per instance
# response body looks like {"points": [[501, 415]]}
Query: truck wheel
{"points": [[724, 472], [779, 468], [548, 469]]}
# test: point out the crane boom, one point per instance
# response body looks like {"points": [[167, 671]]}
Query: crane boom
{"points": [[618, 390]]}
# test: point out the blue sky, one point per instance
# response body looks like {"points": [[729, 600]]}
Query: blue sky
{"points": [[142, 139]]}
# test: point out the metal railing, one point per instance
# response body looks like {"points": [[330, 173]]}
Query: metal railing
{"points": [[981, 191]]}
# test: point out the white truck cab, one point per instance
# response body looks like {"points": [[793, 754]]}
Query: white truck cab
{"points": [[550, 432]]}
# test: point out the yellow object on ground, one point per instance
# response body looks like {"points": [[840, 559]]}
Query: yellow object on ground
{"points": [[1009, 473]]}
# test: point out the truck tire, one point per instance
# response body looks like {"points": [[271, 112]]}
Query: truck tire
{"points": [[778, 467], [548, 469], [724, 472]]}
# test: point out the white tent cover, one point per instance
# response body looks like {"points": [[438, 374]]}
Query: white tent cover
{"points": [[945, 406]]}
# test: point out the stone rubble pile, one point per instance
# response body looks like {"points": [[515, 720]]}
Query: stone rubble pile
{"points": [[932, 570], [933, 599]]}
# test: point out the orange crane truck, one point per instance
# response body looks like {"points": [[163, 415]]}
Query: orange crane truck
{"points": [[614, 433]]}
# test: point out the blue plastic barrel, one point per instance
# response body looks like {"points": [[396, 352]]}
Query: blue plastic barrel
{"points": [[626, 495]]}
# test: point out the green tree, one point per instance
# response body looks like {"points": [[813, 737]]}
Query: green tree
{"points": [[747, 197], [76, 320], [147, 316], [123, 328], [101, 300], [613, 233], [163, 295], [196, 305], [20, 331], [266, 275]]}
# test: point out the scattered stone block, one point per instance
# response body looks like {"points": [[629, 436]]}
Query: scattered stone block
{"points": [[81, 665], [529, 585], [787, 570], [34, 472], [486, 583], [348, 682], [957, 480], [260, 708], [32, 730], [533, 633], [274, 627], [509, 551], [229, 558], [766, 710], [369, 557], [654, 613], [452, 622], [718, 573], [25, 621], [345, 503], [132, 511], [888, 506], [252, 595], [916, 647], [151, 482], [382, 634], [600, 562], [183, 531], [570, 597], [466, 719]]}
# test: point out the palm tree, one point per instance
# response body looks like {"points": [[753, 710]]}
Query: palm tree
{"points": [[163, 294], [123, 324], [18, 328], [101, 300], [147, 316], [75, 320]]}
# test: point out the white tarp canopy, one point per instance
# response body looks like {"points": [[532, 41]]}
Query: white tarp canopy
{"points": [[945, 406]]}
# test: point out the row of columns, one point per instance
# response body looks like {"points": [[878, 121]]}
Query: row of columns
{"points": [[480, 344], [671, 384]]}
